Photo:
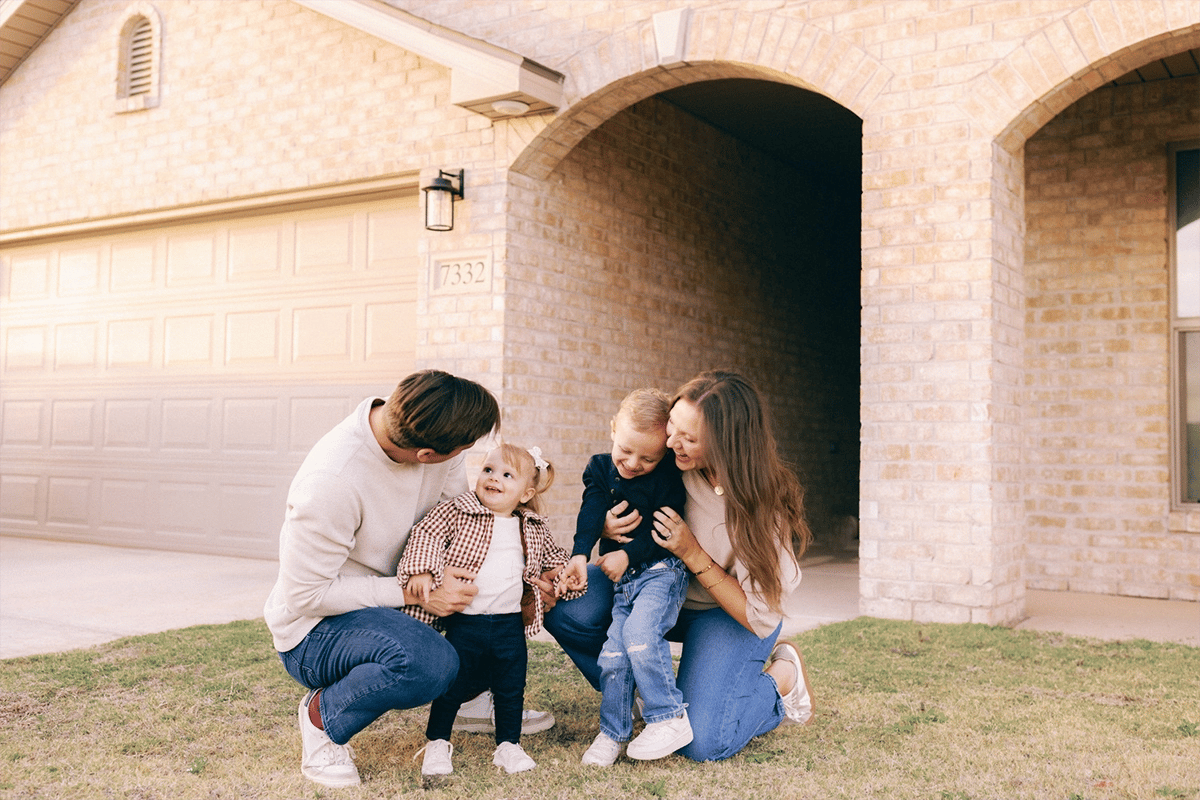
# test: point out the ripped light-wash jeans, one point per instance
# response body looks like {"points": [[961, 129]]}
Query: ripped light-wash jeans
{"points": [[645, 606], [730, 700]]}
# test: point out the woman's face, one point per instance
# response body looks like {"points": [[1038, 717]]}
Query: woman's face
{"points": [[685, 435]]}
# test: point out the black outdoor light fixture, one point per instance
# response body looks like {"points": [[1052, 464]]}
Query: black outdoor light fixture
{"points": [[439, 200]]}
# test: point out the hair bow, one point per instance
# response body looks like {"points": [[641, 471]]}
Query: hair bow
{"points": [[538, 461]]}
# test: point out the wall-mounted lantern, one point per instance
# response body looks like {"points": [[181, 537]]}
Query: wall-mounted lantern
{"points": [[439, 200]]}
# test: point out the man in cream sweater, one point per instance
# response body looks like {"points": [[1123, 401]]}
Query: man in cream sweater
{"points": [[334, 611]]}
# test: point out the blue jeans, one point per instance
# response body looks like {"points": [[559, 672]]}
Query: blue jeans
{"points": [[730, 699], [368, 662], [645, 606]]}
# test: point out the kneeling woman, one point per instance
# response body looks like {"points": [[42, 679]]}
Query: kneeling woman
{"points": [[744, 511]]}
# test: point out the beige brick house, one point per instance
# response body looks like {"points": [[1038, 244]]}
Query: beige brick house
{"points": [[953, 240]]}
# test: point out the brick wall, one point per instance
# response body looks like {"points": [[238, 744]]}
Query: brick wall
{"points": [[1097, 423]]}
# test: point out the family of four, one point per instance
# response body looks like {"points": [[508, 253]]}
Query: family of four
{"points": [[400, 586]]}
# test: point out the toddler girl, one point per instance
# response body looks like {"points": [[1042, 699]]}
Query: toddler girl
{"points": [[497, 533]]}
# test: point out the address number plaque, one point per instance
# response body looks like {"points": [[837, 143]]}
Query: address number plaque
{"points": [[465, 274]]}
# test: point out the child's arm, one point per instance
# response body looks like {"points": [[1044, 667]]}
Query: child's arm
{"points": [[614, 564], [573, 577], [421, 584]]}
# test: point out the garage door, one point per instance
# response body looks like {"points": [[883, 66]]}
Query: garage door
{"points": [[160, 387]]}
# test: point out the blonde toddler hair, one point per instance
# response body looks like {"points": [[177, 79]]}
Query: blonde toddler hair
{"points": [[522, 460]]}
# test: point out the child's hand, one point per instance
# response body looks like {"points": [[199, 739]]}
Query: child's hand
{"points": [[613, 564], [421, 585], [574, 576]]}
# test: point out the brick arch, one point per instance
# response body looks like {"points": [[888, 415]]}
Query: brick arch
{"points": [[623, 69], [1070, 58]]}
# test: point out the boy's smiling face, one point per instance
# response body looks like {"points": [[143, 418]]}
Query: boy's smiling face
{"points": [[636, 452]]}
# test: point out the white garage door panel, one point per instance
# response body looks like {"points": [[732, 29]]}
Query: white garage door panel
{"points": [[161, 387]]}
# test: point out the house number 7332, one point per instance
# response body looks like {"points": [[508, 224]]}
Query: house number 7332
{"points": [[452, 276]]}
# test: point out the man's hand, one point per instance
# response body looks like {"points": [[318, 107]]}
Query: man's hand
{"points": [[545, 585], [457, 589], [614, 564]]}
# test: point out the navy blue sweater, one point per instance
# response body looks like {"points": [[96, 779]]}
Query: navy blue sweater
{"points": [[603, 488]]}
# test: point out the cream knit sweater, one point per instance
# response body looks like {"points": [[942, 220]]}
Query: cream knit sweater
{"points": [[349, 512]]}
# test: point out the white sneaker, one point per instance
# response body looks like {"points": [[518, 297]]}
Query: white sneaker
{"points": [[322, 761], [479, 716], [512, 758], [661, 739], [604, 751], [797, 704], [437, 757]]}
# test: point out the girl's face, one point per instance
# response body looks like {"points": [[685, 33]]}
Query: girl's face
{"points": [[636, 452], [500, 487], [685, 435]]}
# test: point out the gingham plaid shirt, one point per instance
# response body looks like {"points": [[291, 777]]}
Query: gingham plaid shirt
{"points": [[458, 532]]}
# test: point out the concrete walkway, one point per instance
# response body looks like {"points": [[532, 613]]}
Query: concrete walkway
{"points": [[57, 596]]}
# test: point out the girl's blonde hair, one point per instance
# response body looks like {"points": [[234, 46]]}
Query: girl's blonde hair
{"points": [[522, 460], [764, 501], [646, 409]]}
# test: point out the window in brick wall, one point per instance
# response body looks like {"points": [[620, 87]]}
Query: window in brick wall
{"points": [[1185, 318], [138, 48]]}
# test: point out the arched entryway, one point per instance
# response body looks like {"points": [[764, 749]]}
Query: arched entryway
{"points": [[715, 224]]}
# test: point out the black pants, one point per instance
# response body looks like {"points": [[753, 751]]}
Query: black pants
{"points": [[491, 655]]}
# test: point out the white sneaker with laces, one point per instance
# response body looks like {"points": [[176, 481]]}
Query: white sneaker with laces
{"points": [[479, 716], [797, 704], [604, 751], [512, 758], [660, 739], [322, 761], [437, 757]]}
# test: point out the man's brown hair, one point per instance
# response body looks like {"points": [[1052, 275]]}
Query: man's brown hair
{"points": [[442, 412]]}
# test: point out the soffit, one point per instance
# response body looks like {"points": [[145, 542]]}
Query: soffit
{"points": [[23, 25], [484, 78]]}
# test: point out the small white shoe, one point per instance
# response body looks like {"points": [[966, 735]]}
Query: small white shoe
{"points": [[660, 739], [479, 716], [322, 761], [437, 757], [797, 704], [604, 751], [512, 758]]}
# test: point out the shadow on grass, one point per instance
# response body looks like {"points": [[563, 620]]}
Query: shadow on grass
{"points": [[904, 710]]}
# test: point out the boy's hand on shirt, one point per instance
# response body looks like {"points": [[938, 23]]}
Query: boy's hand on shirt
{"points": [[614, 564], [455, 593]]}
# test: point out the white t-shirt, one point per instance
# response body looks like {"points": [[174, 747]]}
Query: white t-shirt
{"points": [[499, 577]]}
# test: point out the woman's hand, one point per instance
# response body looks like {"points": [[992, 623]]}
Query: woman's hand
{"points": [[617, 527], [674, 535]]}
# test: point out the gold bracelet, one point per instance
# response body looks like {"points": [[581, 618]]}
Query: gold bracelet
{"points": [[711, 564], [712, 586]]}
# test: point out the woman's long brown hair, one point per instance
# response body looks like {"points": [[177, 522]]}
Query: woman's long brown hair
{"points": [[764, 501]]}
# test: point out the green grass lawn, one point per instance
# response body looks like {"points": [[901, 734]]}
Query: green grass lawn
{"points": [[949, 712]]}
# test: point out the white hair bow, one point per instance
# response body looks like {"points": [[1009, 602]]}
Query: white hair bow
{"points": [[538, 461]]}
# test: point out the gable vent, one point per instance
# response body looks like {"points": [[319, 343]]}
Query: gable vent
{"points": [[140, 74]]}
